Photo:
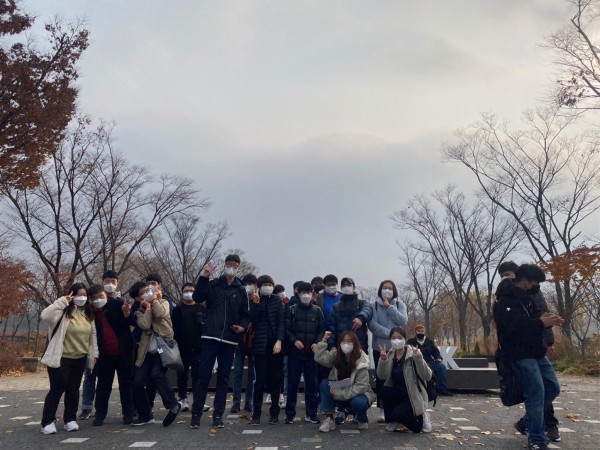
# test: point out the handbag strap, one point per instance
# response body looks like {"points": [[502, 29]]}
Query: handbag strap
{"points": [[57, 324], [421, 382]]}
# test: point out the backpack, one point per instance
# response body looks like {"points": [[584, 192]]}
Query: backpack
{"points": [[430, 386], [511, 388]]}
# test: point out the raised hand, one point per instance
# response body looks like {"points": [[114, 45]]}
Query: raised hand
{"points": [[70, 296], [208, 270], [383, 352], [327, 336], [126, 308]]}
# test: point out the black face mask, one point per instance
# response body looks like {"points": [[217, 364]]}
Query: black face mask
{"points": [[534, 290], [420, 336]]}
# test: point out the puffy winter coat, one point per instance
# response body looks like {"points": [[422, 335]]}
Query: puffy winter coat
{"points": [[157, 320], [384, 319], [304, 323], [268, 318], [343, 314]]}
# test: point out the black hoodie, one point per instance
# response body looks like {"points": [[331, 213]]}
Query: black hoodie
{"points": [[520, 331]]}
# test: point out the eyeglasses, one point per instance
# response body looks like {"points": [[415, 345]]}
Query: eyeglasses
{"points": [[232, 264]]}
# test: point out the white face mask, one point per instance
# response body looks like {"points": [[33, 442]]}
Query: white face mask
{"points": [[230, 271], [331, 290], [347, 290], [347, 348], [80, 300], [249, 288], [387, 294], [110, 288], [147, 296], [266, 290], [152, 288], [306, 299], [99, 303], [188, 295], [282, 295], [397, 344]]}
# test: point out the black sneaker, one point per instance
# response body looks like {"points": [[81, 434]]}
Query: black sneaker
{"points": [[139, 422], [340, 417], [255, 421], [98, 422], [520, 426], [85, 414], [532, 446], [288, 420], [235, 409], [195, 422], [273, 420], [218, 422], [170, 417], [127, 420], [553, 433], [312, 419]]}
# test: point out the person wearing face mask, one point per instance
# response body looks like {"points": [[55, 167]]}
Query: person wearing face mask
{"points": [[329, 295], [433, 358], [226, 322], [520, 330], [152, 318], [72, 344], [388, 312], [243, 350], [115, 347], [507, 270], [188, 321], [404, 398], [294, 299], [304, 329], [110, 281], [267, 313], [349, 364]]}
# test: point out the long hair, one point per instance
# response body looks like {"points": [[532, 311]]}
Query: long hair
{"points": [[346, 364], [87, 308]]}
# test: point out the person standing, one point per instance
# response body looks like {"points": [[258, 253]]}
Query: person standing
{"points": [[432, 357], [388, 312], [226, 321], [72, 343]]}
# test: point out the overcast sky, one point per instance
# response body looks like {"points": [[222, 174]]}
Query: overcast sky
{"points": [[308, 123]]}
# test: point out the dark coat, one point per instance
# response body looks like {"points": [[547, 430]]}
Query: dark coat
{"points": [[270, 312], [191, 342], [119, 323], [304, 323], [343, 313], [428, 348], [226, 305]]}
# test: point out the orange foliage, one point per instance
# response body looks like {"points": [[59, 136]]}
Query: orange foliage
{"points": [[580, 265], [13, 295]]}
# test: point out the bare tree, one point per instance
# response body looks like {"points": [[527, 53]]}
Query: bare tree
{"points": [[545, 179]]}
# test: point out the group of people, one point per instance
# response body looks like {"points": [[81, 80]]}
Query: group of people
{"points": [[318, 335]]}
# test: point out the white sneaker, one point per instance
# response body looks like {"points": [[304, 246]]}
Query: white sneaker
{"points": [[282, 400], [391, 427], [363, 426], [327, 425], [426, 424], [206, 408], [49, 429], [268, 400], [184, 405], [71, 426], [381, 416]]}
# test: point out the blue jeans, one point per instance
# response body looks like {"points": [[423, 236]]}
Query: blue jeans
{"points": [[540, 388], [238, 374], [89, 390], [212, 351], [296, 367], [439, 369], [358, 404]]}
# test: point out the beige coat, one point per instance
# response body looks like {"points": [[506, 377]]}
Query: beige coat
{"points": [[157, 320], [361, 383], [50, 316], [418, 400]]}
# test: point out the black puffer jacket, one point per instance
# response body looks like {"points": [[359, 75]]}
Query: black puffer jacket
{"points": [[304, 323], [520, 331], [120, 325], [268, 323], [226, 305], [343, 314]]}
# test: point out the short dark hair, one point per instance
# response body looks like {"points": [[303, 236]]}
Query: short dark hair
{"points": [[303, 286], [187, 285], [530, 272], [296, 284], [316, 280], [249, 279], [507, 266], [330, 279], [110, 274], [279, 288], [134, 291], [234, 258], [153, 277], [265, 279], [95, 289], [397, 330], [348, 280], [394, 290]]}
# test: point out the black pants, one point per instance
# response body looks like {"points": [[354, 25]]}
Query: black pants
{"points": [[105, 371], [64, 379], [297, 367], [378, 383], [397, 408], [151, 369], [191, 360], [268, 370]]}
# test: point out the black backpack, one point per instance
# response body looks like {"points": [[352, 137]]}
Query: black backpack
{"points": [[430, 386]]}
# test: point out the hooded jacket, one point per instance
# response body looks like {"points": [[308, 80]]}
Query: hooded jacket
{"points": [[520, 331], [361, 381], [343, 314], [418, 397], [384, 319]]}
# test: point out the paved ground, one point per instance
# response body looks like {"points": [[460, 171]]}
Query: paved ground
{"points": [[466, 420]]}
